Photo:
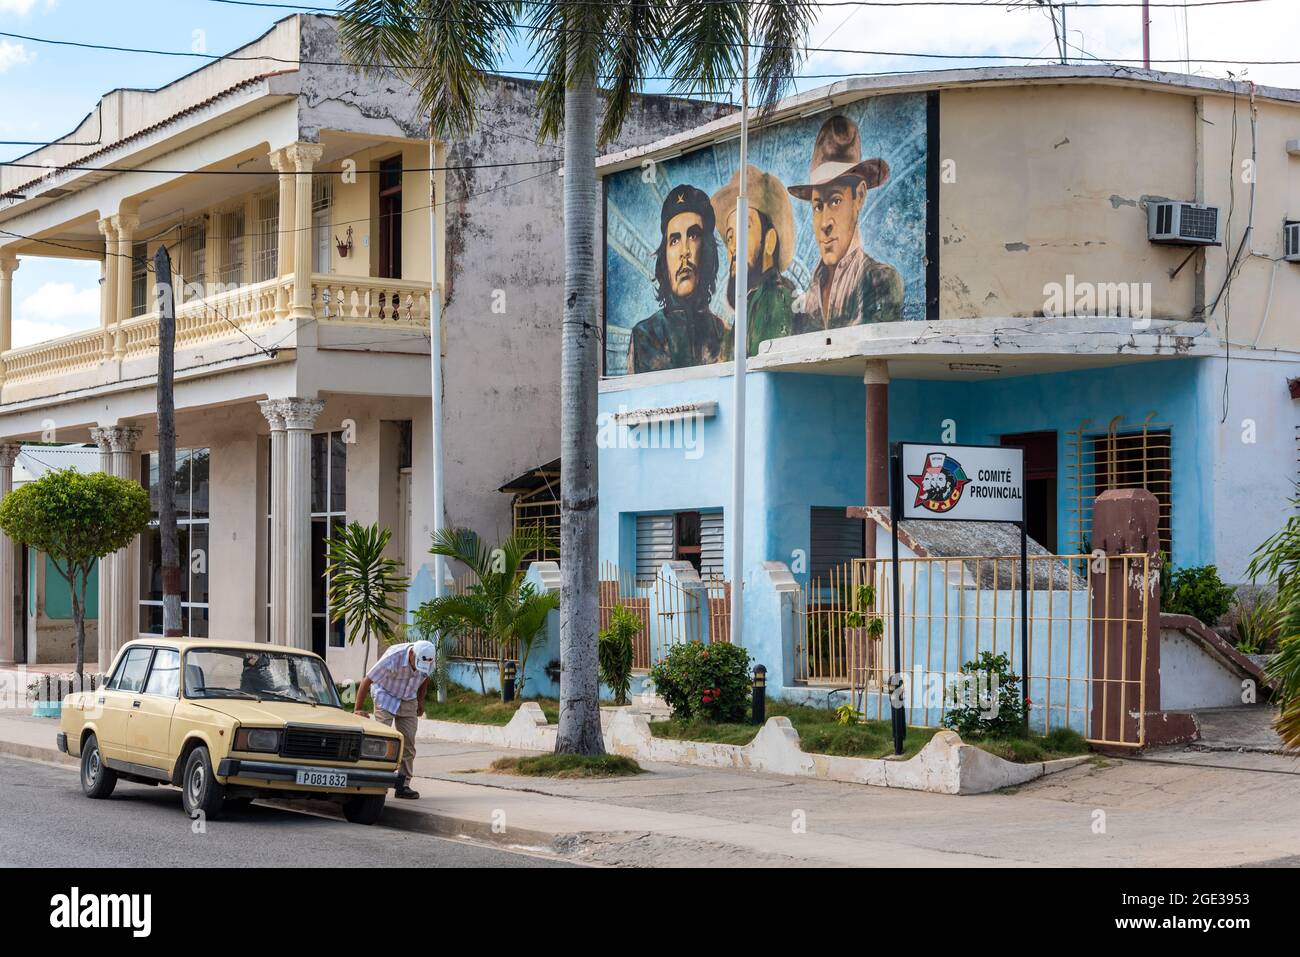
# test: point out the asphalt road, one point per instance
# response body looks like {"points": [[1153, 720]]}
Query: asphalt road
{"points": [[45, 820]]}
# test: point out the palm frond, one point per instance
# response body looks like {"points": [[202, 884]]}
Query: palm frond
{"points": [[465, 546], [703, 47], [782, 26], [637, 33]]}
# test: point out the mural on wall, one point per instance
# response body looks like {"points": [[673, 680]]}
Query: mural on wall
{"points": [[837, 220]]}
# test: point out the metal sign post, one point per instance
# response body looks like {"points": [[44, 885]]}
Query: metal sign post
{"points": [[960, 483]]}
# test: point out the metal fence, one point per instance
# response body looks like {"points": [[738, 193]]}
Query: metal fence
{"points": [[473, 644], [670, 614], [1087, 636]]}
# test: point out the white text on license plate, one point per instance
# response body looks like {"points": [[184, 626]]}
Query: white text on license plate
{"points": [[323, 779]]}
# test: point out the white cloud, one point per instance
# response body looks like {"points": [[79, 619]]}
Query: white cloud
{"points": [[55, 309], [14, 54], [20, 7]]}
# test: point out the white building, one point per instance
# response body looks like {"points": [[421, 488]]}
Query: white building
{"points": [[294, 197]]}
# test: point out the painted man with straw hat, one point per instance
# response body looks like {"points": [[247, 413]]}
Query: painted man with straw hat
{"points": [[848, 287], [771, 248]]}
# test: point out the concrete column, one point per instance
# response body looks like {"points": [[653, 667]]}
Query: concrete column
{"points": [[124, 224], [10, 603], [304, 157], [8, 263], [119, 591], [272, 409], [284, 240], [104, 626], [299, 418], [1125, 674], [108, 285], [876, 377]]}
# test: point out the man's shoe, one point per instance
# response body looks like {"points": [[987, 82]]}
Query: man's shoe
{"points": [[404, 791]]}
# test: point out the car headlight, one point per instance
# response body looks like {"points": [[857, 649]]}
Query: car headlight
{"points": [[257, 739], [375, 748]]}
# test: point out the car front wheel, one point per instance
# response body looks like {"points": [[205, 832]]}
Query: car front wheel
{"points": [[364, 808], [97, 779], [200, 791]]}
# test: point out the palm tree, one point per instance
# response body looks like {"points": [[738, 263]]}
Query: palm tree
{"points": [[444, 48], [363, 583], [1278, 560], [499, 604]]}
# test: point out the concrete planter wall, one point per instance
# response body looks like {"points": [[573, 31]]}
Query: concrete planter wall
{"points": [[945, 766]]}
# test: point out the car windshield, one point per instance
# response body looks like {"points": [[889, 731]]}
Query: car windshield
{"points": [[258, 675]]}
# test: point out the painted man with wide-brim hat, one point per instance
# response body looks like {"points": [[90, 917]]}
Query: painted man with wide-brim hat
{"points": [[685, 331], [771, 249], [848, 287]]}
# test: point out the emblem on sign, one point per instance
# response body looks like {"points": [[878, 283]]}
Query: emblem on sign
{"points": [[940, 484]]}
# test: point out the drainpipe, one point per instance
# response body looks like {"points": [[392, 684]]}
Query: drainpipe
{"points": [[876, 377]]}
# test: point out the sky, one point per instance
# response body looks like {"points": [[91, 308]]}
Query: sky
{"points": [[46, 90]]}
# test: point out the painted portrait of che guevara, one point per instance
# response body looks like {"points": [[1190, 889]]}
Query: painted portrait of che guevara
{"points": [[847, 287], [684, 331]]}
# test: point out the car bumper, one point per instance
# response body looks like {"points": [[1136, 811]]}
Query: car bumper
{"points": [[61, 740], [276, 772]]}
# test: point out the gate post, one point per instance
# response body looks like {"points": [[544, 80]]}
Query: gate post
{"points": [[1125, 671]]}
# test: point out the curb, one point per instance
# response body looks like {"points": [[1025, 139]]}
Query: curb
{"points": [[35, 752]]}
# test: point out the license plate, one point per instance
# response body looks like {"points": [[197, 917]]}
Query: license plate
{"points": [[323, 779]]}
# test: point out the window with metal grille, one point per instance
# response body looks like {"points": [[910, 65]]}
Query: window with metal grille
{"points": [[266, 238], [194, 259], [322, 199], [193, 523], [835, 540], [231, 225], [139, 279], [1124, 455]]}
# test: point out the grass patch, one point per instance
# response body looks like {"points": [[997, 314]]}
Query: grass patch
{"points": [[821, 733], [570, 766], [470, 707]]}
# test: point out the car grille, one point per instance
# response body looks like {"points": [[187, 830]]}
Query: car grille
{"points": [[321, 743]]}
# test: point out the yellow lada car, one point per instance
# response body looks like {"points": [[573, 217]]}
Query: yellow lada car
{"points": [[228, 722]]}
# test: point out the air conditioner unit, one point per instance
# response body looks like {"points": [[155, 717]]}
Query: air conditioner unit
{"points": [[1291, 242], [1183, 224]]}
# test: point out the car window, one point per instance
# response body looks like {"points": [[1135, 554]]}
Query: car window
{"points": [[165, 675], [130, 676]]}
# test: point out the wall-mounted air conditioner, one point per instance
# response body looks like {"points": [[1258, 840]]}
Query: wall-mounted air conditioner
{"points": [[1183, 224], [1291, 241]]}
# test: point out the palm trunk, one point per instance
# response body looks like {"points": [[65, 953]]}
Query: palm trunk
{"points": [[579, 730]]}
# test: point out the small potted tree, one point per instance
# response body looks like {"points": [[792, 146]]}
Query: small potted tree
{"points": [[364, 584]]}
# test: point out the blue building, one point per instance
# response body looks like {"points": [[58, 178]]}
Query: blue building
{"points": [[967, 257]]}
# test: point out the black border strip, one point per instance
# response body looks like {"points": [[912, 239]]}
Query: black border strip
{"points": [[932, 163]]}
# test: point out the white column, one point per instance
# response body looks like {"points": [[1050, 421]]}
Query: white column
{"points": [[303, 156], [10, 605], [108, 286], [271, 409], [8, 263], [124, 224], [104, 625], [285, 229], [291, 422], [119, 593]]}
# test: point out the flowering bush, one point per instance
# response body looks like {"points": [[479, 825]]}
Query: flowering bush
{"points": [[985, 699], [711, 682]]}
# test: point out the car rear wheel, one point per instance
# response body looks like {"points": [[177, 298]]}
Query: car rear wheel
{"points": [[200, 792], [364, 808], [97, 778]]}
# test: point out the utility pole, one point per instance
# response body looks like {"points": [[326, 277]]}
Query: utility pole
{"points": [[1146, 34], [435, 380], [171, 571], [741, 352]]}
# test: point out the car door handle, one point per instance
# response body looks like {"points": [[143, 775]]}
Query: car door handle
{"points": [[135, 704], [101, 699]]}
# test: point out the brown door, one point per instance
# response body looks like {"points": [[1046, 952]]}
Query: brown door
{"points": [[390, 218], [1040, 484]]}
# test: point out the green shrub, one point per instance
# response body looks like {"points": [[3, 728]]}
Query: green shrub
{"points": [[1200, 592], [710, 681], [1257, 626], [615, 652], [988, 702]]}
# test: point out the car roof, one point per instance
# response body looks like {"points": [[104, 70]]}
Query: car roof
{"points": [[215, 644]]}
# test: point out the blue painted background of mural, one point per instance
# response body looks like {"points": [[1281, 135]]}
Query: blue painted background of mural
{"points": [[892, 221]]}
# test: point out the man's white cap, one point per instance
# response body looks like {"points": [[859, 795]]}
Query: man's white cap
{"points": [[425, 657]]}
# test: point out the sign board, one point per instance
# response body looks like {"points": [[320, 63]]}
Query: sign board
{"points": [[964, 483]]}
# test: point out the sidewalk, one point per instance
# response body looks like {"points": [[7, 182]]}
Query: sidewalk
{"points": [[1159, 814]]}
